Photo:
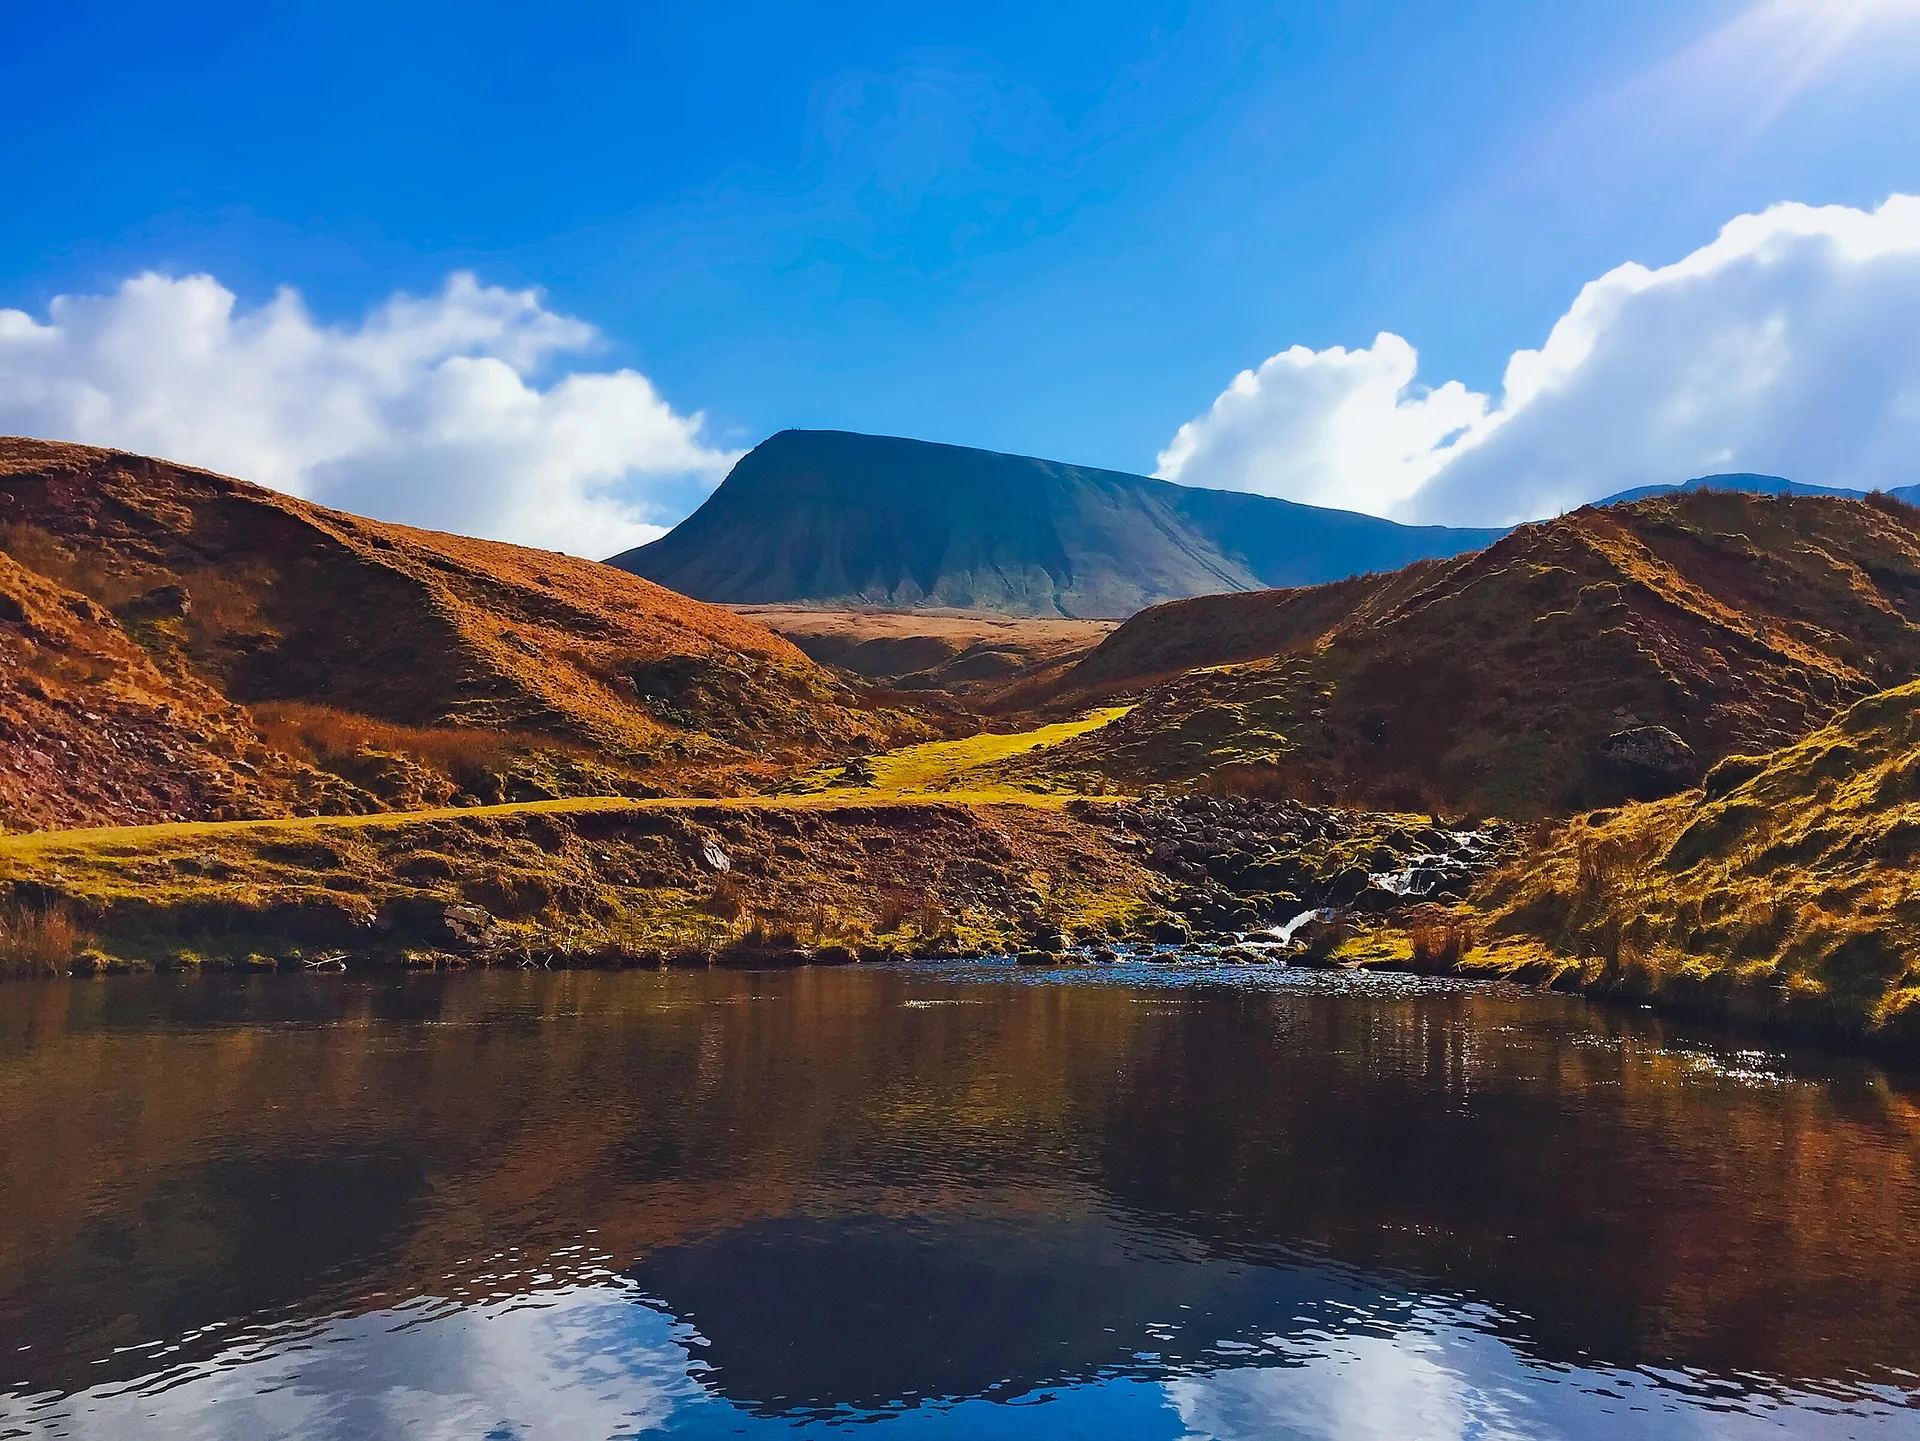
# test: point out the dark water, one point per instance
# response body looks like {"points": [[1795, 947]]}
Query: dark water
{"points": [[969, 1201]]}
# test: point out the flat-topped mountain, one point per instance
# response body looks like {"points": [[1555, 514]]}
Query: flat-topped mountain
{"points": [[833, 518]]}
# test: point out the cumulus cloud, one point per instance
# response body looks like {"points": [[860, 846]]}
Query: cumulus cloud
{"points": [[1337, 427], [431, 410], [1789, 345]]}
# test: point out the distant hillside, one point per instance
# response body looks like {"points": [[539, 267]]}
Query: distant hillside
{"points": [[833, 518], [1754, 485], [177, 644], [1610, 653], [929, 650]]}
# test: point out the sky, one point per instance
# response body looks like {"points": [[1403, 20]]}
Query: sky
{"points": [[542, 273]]}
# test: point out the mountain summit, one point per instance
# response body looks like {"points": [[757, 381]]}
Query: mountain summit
{"points": [[832, 517]]}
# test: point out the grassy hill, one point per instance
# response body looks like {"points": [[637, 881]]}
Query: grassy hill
{"points": [[832, 518], [1784, 890], [178, 644], [1605, 655]]}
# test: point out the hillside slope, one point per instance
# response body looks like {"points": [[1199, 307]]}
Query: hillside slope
{"points": [[1608, 654], [179, 643], [959, 653], [832, 518], [1784, 890]]}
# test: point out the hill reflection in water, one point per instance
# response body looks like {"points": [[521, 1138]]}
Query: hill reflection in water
{"points": [[964, 1199]]}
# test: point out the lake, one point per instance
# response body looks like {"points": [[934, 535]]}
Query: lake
{"points": [[938, 1199]]}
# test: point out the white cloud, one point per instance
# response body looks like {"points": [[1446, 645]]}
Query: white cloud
{"points": [[1334, 427], [430, 411], [1789, 345]]}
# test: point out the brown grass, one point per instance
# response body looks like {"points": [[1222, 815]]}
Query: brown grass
{"points": [[322, 734], [37, 941], [1439, 945], [1784, 893], [1490, 683]]}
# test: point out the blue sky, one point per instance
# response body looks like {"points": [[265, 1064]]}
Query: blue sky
{"points": [[1053, 229]]}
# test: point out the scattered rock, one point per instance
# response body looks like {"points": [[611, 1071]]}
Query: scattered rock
{"points": [[714, 858]]}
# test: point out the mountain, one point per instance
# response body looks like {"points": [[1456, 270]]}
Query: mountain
{"points": [[1753, 485], [1609, 653], [178, 644], [834, 518]]}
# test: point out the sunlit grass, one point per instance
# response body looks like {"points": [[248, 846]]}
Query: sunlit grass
{"points": [[934, 772], [942, 766]]}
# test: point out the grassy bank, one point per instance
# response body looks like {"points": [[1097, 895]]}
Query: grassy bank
{"points": [[905, 853], [1781, 894], [624, 881]]}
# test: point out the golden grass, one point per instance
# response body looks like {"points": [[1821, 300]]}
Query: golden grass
{"points": [[1784, 891], [940, 767], [36, 940], [321, 733], [931, 772]]}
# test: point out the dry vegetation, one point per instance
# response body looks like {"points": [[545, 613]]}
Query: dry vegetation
{"points": [[1784, 892], [179, 644], [957, 653], [179, 647], [1488, 684], [619, 881], [37, 940]]}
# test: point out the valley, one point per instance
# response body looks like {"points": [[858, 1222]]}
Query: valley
{"points": [[246, 733]]}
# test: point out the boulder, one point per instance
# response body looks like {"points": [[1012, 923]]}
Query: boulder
{"points": [[1649, 762], [161, 600], [462, 929], [1170, 931]]}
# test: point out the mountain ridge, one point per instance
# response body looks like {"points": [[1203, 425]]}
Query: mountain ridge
{"points": [[840, 518], [1752, 483]]}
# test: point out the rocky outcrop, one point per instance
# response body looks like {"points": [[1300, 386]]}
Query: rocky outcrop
{"points": [[1244, 864]]}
